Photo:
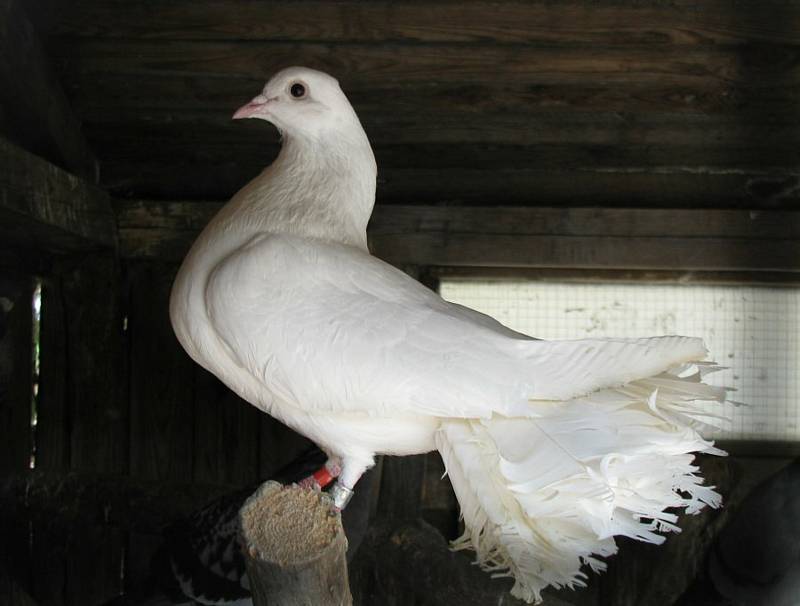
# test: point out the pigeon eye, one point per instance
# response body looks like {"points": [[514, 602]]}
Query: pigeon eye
{"points": [[298, 91]]}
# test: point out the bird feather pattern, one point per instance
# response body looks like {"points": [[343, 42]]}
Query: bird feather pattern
{"points": [[553, 447]]}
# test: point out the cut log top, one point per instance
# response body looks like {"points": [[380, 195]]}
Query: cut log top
{"points": [[288, 525], [294, 548]]}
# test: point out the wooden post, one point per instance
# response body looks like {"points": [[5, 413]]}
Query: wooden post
{"points": [[294, 548]]}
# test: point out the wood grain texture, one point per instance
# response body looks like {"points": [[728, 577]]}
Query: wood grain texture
{"points": [[314, 569], [570, 238], [122, 502], [110, 80], [39, 116], [98, 418], [226, 434], [16, 321], [612, 23], [162, 380], [97, 382], [617, 95], [44, 207]]}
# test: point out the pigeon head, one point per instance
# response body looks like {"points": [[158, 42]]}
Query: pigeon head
{"points": [[301, 101]]}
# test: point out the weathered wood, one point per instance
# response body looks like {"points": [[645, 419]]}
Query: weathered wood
{"points": [[278, 445], [42, 206], [16, 380], [647, 78], [294, 548], [38, 115], [667, 187], [719, 240], [413, 559], [612, 23], [121, 502], [655, 103], [11, 594], [98, 415], [162, 379], [97, 383], [226, 434]]}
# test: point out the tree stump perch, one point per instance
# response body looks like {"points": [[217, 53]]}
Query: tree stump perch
{"points": [[294, 548]]}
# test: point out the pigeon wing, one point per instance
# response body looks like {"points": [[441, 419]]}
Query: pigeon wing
{"points": [[325, 326]]}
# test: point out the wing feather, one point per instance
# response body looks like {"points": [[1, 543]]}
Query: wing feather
{"points": [[327, 327]]}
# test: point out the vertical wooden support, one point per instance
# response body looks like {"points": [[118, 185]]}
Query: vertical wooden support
{"points": [[162, 380], [162, 392], [98, 411], [226, 431], [294, 548], [15, 403], [96, 386], [16, 385]]}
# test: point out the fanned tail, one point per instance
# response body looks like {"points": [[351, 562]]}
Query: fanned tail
{"points": [[543, 496]]}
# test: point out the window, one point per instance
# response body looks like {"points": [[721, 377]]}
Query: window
{"points": [[752, 330]]}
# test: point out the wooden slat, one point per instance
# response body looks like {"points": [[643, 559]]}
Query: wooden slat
{"points": [[98, 418], [186, 76], [162, 380], [44, 207], [278, 445], [226, 434], [39, 116], [97, 385], [16, 320], [671, 187], [523, 237], [614, 23]]}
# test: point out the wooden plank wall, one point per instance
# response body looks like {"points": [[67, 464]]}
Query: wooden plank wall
{"points": [[646, 103], [117, 395]]}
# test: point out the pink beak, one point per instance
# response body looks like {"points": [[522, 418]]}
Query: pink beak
{"points": [[252, 109]]}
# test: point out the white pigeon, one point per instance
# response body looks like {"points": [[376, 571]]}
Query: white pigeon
{"points": [[552, 447]]}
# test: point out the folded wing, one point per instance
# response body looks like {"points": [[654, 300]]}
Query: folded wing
{"points": [[328, 327]]}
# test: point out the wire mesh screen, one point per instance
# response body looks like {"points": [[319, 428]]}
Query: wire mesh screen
{"points": [[754, 331]]}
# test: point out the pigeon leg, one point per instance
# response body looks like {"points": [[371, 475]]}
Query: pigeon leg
{"points": [[323, 476], [342, 491]]}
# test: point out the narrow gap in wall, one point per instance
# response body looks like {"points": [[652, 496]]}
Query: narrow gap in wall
{"points": [[35, 365]]}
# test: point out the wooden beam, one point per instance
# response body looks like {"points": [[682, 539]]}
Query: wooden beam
{"points": [[524, 237], [44, 207], [36, 111], [619, 23], [642, 187], [107, 76]]}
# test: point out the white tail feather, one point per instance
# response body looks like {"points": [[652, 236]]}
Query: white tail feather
{"points": [[543, 496]]}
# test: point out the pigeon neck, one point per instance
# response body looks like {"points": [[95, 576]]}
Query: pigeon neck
{"points": [[322, 188]]}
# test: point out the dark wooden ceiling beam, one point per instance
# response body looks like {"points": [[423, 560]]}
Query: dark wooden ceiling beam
{"points": [[621, 187], [620, 23], [385, 64], [37, 114], [577, 238], [46, 208]]}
